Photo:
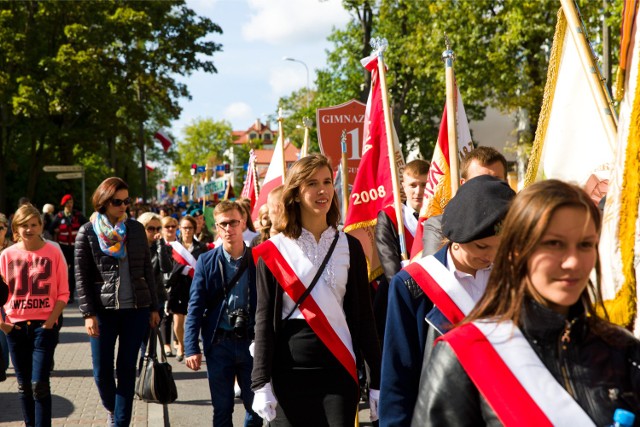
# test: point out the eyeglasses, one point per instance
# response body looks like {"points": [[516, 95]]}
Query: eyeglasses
{"points": [[186, 228], [154, 229], [120, 202], [3, 228], [169, 226], [233, 224]]}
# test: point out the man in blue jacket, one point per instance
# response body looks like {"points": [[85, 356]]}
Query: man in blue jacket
{"points": [[222, 307]]}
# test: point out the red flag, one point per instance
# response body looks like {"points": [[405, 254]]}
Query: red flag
{"points": [[149, 167], [373, 187], [250, 189], [164, 139], [438, 190]]}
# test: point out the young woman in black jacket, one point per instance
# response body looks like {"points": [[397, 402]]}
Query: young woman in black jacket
{"points": [[308, 351], [117, 292], [535, 351]]}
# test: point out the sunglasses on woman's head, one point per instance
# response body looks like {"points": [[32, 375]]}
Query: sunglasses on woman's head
{"points": [[120, 202]]}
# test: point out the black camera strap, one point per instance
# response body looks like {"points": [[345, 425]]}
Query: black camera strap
{"points": [[227, 287], [316, 278]]}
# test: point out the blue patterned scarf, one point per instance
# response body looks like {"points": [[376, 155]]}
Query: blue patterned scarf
{"points": [[111, 237]]}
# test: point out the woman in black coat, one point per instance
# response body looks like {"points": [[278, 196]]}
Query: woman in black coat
{"points": [[117, 293], [535, 350]]}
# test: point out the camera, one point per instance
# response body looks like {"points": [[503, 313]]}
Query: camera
{"points": [[239, 321]]}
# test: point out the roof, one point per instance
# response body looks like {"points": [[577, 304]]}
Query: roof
{"points": [[264, 155]]}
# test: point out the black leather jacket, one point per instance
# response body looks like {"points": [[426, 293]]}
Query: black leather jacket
{"points": [[599, 366], [97, 274]]}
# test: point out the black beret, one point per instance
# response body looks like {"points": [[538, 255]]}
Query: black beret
{"points": [[477, 209]]}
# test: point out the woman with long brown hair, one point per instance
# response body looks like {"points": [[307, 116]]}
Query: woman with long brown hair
{"points": [[306, 348], [534, 350]]}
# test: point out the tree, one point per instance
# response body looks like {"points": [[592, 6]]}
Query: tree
{"points": [[79, 80], [206, 142]]}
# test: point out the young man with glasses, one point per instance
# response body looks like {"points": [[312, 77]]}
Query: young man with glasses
{"points": [[222, 306]]}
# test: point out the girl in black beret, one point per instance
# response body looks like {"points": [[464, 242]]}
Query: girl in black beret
{"points": [[434, 293]]}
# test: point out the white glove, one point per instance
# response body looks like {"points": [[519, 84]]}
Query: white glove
{"points": [[374, 399], [186, 270], [252, 348], [264, 403]]}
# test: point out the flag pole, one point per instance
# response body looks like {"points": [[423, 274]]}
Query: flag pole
{"points": [[380, 45], [254, 171], [601, 95], [345, 173], [452, 131], [306, 123], [281, 135]]}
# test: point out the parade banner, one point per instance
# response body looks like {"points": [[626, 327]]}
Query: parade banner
{"points": [[576, 135], [437, 192], [348, 117], [217, 186], [372, 189], [273, 178], [620, 241], [250, 189]]}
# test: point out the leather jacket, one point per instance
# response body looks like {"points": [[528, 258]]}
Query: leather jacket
{"points": [[97, 274], [596, 362]]}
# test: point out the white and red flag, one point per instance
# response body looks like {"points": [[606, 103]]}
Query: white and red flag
{"points": [[182, 256], [250, 189], [437, 193], [373, 187], [164, 139], [273, 178]]}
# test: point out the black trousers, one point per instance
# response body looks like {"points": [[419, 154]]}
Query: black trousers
{"points": [[311, 385]]}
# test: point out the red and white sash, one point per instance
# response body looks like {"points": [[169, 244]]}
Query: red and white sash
{"points": [[184, 257], [295, 272], [512, 378], [442, 288]]}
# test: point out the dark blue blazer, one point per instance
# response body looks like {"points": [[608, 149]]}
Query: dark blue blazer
{"points": [[403, 349], [207, 281]]}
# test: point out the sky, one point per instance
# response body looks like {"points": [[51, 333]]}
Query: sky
{"points": [[252, 74]]}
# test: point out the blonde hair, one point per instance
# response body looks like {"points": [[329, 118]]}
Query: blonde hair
{"points": [[147, 217], [167, 220], [22, 216]]}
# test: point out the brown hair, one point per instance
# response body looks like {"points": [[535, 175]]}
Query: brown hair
{"points": [[524, 227], [245, 204], [485, 156], [191, 220], [22, 216], [105, 191], [226, 206], [416, 168], [301, 171]]}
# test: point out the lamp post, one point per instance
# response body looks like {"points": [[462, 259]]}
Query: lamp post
{"points": [[286, 58]]}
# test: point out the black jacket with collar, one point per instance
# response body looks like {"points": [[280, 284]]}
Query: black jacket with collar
{"points": [[598, 365], [97, 274]]}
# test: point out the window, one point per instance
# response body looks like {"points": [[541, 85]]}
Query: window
{"points": [[266, 136], [253, 135]]}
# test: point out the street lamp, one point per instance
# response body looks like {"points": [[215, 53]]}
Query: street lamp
{"points": [[286, 58]]}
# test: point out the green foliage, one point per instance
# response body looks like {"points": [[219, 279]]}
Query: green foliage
{"points": [[205, 140], [90, 82]]}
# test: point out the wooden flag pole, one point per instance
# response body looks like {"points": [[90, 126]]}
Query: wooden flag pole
{"points": [[281, 135], [345, 174], [452, 130], [380, 44], [596, 82], [306, 123]]}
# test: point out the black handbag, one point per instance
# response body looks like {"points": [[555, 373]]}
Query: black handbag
{"points": [[155, 383]]}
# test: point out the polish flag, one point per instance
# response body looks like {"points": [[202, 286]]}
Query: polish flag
{"points": [[182, 256], [149, 167], [273, 178], [250, 189], [164, 139]]}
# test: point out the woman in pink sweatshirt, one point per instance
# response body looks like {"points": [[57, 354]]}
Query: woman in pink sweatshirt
{"points": [[36, 273]]}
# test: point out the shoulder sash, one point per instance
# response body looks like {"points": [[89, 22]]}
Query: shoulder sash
{"points": [[182, 256], [442, 288], [511, 376], [294, 272]]}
